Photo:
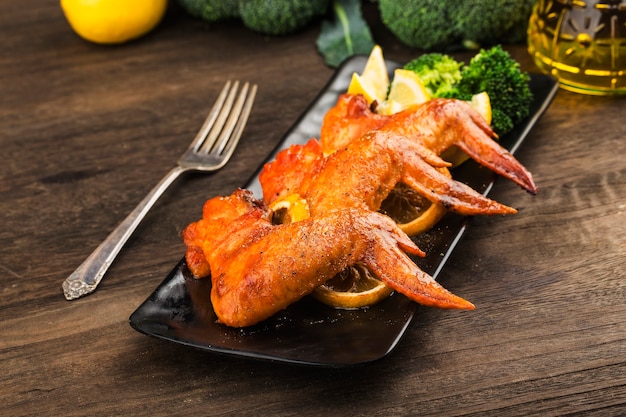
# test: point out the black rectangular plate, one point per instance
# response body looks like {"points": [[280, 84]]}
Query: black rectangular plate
{"points": [[308, 332]]}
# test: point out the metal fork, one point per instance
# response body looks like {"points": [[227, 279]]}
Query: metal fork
{"points": [[210, 150]]}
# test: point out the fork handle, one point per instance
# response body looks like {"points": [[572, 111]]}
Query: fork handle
{"points": [[87, 276]]}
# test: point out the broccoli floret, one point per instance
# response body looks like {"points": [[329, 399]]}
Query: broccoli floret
{"points": [[501, 122], [439, 72], [437, 25], [496, 72], [491, 70], [270, 17], [280, 17], [422, 24], [480, 22], [211, 10]]}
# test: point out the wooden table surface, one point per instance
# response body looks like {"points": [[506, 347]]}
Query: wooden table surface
{"points": [[87, 130]]}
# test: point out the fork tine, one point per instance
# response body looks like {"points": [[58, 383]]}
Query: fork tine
{"points": [[243, 119], [238, 116], [222, 117], [211, 117]]}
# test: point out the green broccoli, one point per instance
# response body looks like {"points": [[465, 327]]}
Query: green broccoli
{"points": [[491, 70], [211, 10], [420, 24], [270, 17], [439, 72], [491, 21], [496, 72], [444, 24], [280, 17]]}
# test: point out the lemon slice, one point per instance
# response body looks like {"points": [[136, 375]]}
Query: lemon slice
{"points": [[413, 213], [424, 221], [355, 287], [482, 104], [373, 82], [407, 89], [289, 209]]}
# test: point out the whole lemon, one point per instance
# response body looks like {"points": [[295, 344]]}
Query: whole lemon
{"points": [[113, 21]]}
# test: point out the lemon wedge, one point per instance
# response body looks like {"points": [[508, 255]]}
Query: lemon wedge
{"points": [[373, 82], [407, 89], [482, 104]]}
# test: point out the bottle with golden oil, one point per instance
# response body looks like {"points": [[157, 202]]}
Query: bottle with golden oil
{"points": [[582, 43]]}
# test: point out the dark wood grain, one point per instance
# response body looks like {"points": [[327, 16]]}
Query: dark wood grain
{"points": [[87, 130]]}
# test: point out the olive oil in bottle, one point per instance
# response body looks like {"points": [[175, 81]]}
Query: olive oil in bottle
{"points": [[582, 43]]}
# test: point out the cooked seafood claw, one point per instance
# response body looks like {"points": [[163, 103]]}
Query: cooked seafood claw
{"points": [[258, 269]]}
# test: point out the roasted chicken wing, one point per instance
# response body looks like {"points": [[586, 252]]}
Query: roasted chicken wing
{"points": [[257, 268]]}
